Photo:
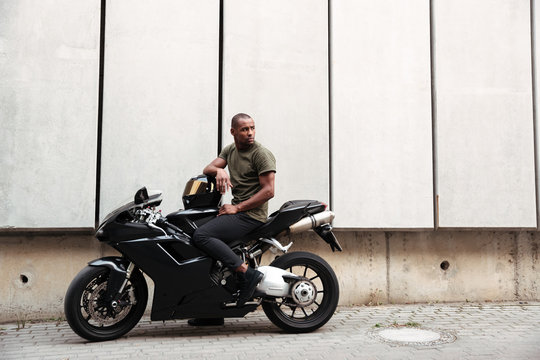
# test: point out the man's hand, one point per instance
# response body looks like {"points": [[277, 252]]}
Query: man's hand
{"points": [[264, 194], [223, 182], [228, 209], [217, 169]]}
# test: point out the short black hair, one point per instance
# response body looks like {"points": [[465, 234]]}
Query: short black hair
{"points": [[237, 117]]}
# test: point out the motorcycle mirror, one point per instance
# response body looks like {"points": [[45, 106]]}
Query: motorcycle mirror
{"points": [[141, 196]]}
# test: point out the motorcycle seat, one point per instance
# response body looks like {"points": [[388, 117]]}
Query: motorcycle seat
{"points": [[288, 214]]}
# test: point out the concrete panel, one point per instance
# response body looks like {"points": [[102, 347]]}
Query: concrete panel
{"points": [[276, 70], [535, 18], [160, 97], [484, 114], [49, 53], [34, 281], [527, 265], [381, 113], [360, 268], [480, 266]]}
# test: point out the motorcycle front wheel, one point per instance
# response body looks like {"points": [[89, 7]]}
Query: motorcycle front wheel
{"points": [[321, 294], [91, 317]]}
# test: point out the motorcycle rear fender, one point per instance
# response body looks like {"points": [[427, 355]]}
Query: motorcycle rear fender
{"points": [[325, 232], [117, 275]]}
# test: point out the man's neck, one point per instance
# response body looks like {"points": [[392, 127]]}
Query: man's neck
{"points": [[243, 147]]}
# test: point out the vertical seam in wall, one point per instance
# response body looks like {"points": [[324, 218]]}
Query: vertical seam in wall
{"points": [[535, 130], [516, 269], [100, 108], [387, 238], [220, 79], [433, 115], [330, 143]]}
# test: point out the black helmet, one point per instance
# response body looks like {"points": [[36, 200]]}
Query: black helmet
{"points": [[201, 192]]}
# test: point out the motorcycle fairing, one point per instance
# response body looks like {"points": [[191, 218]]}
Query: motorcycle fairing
{"points": [[183, 287], [119, 230], [190, 219], [182, 274]]}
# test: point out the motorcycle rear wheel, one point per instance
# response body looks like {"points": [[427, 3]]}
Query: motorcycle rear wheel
{"points": [[292, 317], [91, 317]]}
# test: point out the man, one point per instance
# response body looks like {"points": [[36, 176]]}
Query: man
{"points": [[252, 170]]}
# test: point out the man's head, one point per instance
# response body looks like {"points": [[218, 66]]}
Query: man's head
{"points": [[243, 130]]}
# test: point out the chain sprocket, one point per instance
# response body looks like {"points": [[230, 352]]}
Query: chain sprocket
{"points": [[294, 302]]}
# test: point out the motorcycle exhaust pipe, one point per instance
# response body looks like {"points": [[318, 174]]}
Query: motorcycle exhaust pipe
{"points": [[310, 222]]}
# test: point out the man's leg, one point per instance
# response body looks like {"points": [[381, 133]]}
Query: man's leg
{"points": [[214, 236]]}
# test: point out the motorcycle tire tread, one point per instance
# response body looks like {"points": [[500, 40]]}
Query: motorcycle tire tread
{"points": [[328, 306], [77, 322]]}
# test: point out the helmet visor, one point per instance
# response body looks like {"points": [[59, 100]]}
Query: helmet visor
{"points": [[197, 186]]}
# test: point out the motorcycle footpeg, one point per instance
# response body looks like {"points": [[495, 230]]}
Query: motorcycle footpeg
{"points": [[258, 294]]}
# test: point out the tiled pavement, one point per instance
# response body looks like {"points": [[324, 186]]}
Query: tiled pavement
{"points": [[477, 331]]}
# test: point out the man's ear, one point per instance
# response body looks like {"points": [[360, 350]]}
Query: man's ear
{"points": [[232, 131]]}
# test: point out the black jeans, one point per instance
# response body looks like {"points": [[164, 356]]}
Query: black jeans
{"points": [[213, 237]]}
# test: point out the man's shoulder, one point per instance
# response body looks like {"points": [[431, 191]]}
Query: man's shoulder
{"points": [[226, 151], [260, 148], [264, 159]]}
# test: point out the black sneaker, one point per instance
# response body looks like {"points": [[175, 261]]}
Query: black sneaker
{"points": [[247, 282]]}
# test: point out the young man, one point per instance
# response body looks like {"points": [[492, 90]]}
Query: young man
{"points": [[252, 170]]}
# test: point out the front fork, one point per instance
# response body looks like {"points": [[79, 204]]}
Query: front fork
{"points": [[117, 294], [119, 275]]}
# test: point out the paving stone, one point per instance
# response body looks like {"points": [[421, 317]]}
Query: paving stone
{"points": [[483, 331]]}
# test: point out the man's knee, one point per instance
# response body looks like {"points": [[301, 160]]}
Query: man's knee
{"points": [[198, 237]]}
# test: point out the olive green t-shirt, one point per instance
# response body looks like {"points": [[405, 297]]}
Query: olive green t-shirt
{"points": [[245, 166]]}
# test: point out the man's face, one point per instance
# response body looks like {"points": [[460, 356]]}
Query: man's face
{"points": [[244, 133]]}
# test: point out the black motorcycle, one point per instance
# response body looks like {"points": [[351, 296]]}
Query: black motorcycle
{"points": [[299, 291]]}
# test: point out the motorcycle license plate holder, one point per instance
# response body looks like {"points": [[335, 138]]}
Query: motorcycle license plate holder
{"points": [[325, 232]]}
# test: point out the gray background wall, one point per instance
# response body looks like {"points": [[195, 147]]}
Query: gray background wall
{"points": [[485, 138], [416, 120], [381, 114], [341, 92], [160, 97], [276, 70], [49, 57]]}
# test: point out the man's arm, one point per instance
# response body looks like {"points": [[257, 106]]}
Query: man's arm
{"points": [[217, 169], [266, 193]]}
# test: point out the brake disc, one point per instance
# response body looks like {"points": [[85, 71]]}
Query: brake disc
{"points": [[104, 314]]}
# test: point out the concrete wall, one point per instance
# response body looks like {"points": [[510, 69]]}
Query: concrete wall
{"points": [[351, 96], [160, 97], [485, 138], [48, 113], [276, 70], [36, 271], [381, 114], [535, 15], [375, 267], [359, 132], [405, 267]]}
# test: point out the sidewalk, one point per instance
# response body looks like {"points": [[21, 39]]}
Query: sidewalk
{"points": [[469, 331]]}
